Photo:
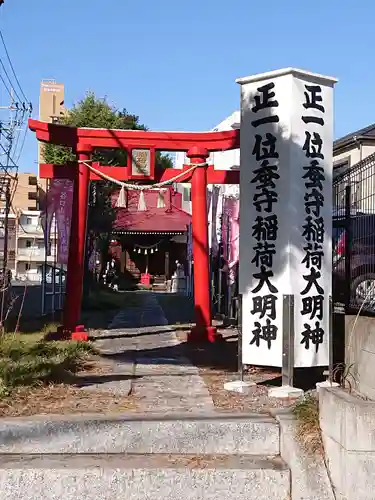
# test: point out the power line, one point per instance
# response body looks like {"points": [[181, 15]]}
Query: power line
{"points": [[12, 68], [10, 81], [22, 145], [5, 85]]}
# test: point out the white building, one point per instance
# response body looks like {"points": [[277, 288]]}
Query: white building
{"points": [[226, 160], [26, 247], [30, 246]]}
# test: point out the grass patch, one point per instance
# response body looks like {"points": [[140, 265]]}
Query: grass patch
{"points": [[28, 360], [309, 436]]}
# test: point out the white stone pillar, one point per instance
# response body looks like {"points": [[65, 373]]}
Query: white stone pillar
{"points": [[286, 215]]}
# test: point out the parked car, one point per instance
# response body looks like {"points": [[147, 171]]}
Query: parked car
{"points": [[60, 276], [362, 260]]}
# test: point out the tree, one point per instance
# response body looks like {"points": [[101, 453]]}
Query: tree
{"points": [[94, 112]]}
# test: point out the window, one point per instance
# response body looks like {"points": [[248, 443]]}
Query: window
{"points": [[33, 181], [187, 193], [341, 166], [27, 266], [32, 195], [28, 243], [29, 221]]}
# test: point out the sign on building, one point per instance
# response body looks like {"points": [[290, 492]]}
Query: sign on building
{"points": [[286, 215]]}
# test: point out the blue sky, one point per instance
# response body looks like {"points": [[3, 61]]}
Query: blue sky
{"points": [[174, 63]]}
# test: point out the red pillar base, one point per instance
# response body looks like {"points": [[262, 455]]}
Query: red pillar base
{"points": [[80, 334], [204, 334]]}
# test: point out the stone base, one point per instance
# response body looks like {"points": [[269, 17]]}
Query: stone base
{"points": [[285, 392], [239, 386], [326, 384]]}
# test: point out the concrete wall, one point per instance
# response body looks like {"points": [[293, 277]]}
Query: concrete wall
{"points": [[309, 476], [348, 431], [360, 351]]}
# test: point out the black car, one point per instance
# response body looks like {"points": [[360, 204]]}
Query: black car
{"points": [[362, 259]]}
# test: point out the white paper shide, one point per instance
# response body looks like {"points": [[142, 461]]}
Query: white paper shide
{"points": [[286, 214]]}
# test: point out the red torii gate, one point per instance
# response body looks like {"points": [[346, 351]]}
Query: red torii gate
{"points": [[197, 145]]}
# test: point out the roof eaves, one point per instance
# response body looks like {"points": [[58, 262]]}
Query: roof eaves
{"points": [[349, 141], [362, 134]]}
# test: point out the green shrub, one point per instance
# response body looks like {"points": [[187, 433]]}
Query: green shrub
{"points": [[28, 362]]}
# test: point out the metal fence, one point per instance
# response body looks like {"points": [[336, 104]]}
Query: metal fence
{"points": [[353, 237]]}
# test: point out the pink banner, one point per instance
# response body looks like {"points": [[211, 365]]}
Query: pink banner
{"points": [[62, 195], [231, 232]]}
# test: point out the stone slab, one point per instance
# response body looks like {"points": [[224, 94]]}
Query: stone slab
{"points": [[352, 472], [253, 434], [360, 352], [347, 419], [348, 431], [309, 476], [142, 478]]}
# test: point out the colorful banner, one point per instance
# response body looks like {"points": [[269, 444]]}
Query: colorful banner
{"points": [[230, 232], [58, 202], [63, 212]]}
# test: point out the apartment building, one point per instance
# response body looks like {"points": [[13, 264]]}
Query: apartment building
{"points": [[23, 196], [28, 244], [30, 251], [51, 106]]}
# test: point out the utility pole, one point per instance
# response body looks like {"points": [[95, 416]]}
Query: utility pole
{"points": [[6, 227], [4, 278]]}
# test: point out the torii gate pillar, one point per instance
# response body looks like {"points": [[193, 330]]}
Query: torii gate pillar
{"points": [[203, 329], [77, 244]]}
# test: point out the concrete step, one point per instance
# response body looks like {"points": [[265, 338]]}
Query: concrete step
{"points": [[143, 477], [224, 434]]}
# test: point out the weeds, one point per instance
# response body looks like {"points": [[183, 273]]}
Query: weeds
{"points": [[306, 412], [27, 360], [343, 375]]}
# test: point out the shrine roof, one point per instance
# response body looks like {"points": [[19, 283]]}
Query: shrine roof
{"points": [[169, 219]]}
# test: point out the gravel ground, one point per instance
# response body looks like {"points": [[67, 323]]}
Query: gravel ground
{"points": [[217, 365], [70, 397]]}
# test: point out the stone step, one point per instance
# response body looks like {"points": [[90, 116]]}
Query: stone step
{"points": [[143, 477], [224, 434]]}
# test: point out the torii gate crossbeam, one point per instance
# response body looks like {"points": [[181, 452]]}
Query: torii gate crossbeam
{"points": [[197, 145]]}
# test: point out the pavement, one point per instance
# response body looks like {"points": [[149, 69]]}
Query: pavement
{"points": [[149, 361], [174, 446]]}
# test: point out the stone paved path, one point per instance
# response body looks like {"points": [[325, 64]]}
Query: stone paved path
{"points": [[150, 357]]}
